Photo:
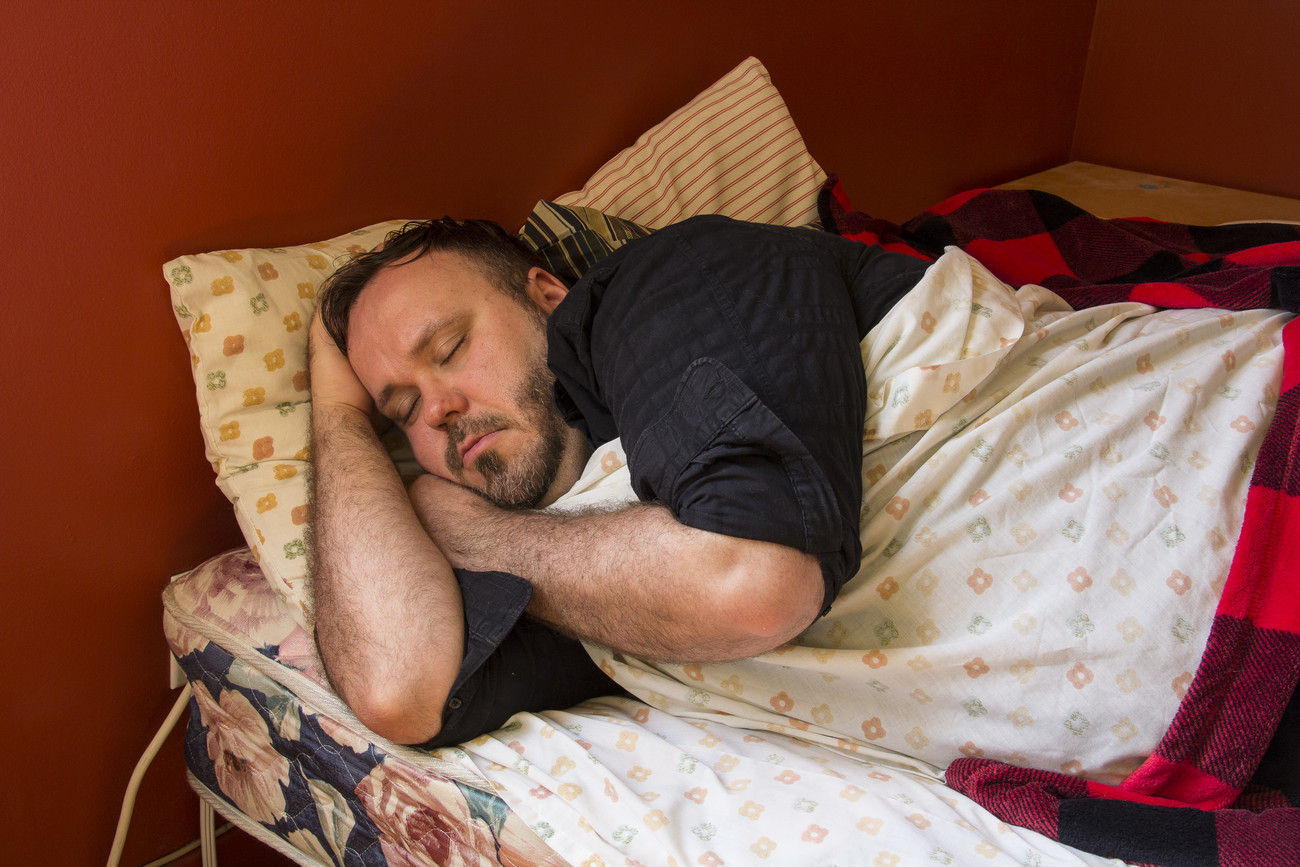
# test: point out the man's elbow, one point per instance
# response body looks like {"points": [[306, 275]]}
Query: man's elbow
{"points": [[395, 715], [772, 597], [397, 709]]}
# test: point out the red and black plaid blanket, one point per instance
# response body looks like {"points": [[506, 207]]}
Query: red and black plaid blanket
{"points": [[1223, 786]]}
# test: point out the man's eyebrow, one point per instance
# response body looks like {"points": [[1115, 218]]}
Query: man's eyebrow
{"points": [[427, 335]]}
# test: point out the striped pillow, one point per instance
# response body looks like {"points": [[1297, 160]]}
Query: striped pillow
{"points": [[732, 150]]}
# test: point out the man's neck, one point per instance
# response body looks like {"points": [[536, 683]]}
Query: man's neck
{"points": [[572, 464]]}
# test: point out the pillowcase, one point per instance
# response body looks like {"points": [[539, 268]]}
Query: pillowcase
{"points": [[732, 150], [245, 316]]}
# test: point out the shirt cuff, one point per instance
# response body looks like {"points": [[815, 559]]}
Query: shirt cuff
{"points": [[494, 602]]}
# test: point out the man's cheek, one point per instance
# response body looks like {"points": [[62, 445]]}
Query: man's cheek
{"points": [[431, 456]]}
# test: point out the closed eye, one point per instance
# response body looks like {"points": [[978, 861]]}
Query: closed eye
{"points": [[459, 343], [410, 411]]}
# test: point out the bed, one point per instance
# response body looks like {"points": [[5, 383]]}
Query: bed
{"points": [[1072, 639]]}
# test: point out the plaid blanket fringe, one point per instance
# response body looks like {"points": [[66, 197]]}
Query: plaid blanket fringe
{"points": [[1223, 786]]}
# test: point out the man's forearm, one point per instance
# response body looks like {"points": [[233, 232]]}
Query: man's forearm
{"points": [[389, 619], [636, 580]]}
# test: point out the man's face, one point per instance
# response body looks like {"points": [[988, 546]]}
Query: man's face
{"points": [[461, 368]]}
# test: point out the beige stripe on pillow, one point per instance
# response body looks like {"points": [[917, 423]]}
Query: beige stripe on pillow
{"points": [[732, 150]]}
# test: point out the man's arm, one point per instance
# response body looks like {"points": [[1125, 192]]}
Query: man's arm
{"points": [[633, 579], [388, 611]]}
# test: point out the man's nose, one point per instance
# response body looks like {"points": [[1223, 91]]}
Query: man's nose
{"points": [[443, 406]]}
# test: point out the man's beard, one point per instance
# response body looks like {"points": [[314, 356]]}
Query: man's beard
{"points": [[522, 483]]}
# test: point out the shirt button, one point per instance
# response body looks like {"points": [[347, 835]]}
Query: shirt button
{"points": [[454, 704]]}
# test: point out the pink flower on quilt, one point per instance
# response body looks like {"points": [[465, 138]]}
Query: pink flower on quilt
{"points": [[887, 588], [976, 667], [872, 730], [970, 751], [422, 817], [979, 581], [698, 794], [1070, 493], [1079, 580], [1165, 497], [875, 659], [978, 497], [1153, 420], [897, 508], [814, 834], [232, 591], [1178, 582], [710, 859], [248, 770], [1242, 424], [1064, 420], [1079, 676], [787, 776], [781, 702]]}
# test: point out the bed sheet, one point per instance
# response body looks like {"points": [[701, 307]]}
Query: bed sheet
{"points": [[611, 782]]}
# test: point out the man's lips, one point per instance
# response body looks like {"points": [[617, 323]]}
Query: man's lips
{"points": [[474, 446]]}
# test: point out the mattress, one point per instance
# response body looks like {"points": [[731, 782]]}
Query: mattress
{"points": [[612, 781]]}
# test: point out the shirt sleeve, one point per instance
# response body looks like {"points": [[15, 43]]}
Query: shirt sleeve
{"points": [[726, 356], [511, 663]]}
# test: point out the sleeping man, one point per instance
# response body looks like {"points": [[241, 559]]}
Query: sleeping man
{"points": [[725, 356]]}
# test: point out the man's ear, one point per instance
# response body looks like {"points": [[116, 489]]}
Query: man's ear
{"points": [[545, 289]]}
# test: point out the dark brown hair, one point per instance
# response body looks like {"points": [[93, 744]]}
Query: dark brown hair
{"points": [[503, 258]]}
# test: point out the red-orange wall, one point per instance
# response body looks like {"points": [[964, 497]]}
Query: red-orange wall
{"points": [[1204, 90], [134, 131]]}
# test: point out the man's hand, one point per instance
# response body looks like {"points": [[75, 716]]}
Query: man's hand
{"points": [[333, 382], [632, 579]]}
